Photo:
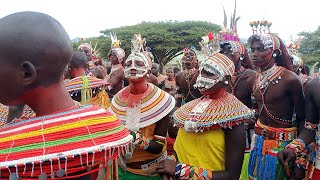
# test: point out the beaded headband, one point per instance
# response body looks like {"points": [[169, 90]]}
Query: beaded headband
{"points": [[267, 40], [221, 63]]}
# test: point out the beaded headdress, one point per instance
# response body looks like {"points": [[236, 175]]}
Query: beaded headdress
{"points": [[217, 64], [85, 46], [137, 55], [115, 47], [190, 54]]}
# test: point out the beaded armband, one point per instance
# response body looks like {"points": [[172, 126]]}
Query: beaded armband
{"points": [[172, 158], [140, 141], [186, 171], [159, 139], [297, 146], [311, 126], [144, 144], [136, 137], [301, 160]]}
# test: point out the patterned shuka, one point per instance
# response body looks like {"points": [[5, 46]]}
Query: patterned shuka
{"points": [[65, 145]]}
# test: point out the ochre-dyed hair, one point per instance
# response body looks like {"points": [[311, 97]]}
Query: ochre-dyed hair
{"points": [[246, 62], [284, 59]]}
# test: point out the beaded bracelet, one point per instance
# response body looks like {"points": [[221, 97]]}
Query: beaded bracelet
{"points": [[136, 137], [144, 143], [159, 139], [186, 171], [311, 126], [297, 146], [301, 161]]}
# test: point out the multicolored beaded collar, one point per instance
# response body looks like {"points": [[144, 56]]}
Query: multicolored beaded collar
{"points": [[65, 145], [205, 113], [79, 83], [26, 114], [86, 86], [152, 107]]}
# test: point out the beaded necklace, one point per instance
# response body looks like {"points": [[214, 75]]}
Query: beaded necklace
{"points": [[205, 113], [263, 80], [187, 75]]}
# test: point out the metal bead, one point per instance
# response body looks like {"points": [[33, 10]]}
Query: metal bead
{"points": [[42, 177], [109, 162], [13, 176], [60, 172], [52, 175]]}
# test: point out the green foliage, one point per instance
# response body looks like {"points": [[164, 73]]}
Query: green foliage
{"points": [[310, 46], [166, 39]]}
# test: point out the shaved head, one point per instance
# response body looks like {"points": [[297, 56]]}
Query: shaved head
{"points": [[34, 51], [78, 60], [39, 39]]}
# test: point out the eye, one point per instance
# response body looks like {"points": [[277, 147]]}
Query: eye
{"points": [[128, 63], [139, 63], [261, 49]]}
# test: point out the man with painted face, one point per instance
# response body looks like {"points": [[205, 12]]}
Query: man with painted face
{"points": [[211, 139], [144, 109], [278, 93], [155, 70], [116, 56], [187, 78]]}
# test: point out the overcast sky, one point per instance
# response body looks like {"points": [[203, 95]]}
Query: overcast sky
{"points": [[86, 18]]}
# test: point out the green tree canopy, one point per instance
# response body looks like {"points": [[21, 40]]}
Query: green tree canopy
{"points": [[310, 46], [166, 39]]}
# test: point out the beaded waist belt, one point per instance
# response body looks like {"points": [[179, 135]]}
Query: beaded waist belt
{"points": [[274, 135]]}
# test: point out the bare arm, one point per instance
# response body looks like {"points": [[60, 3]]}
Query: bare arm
{"points": [[235, 139], [118, 76], [311, 114], [160, 133], [178, 95], [297, 96]]}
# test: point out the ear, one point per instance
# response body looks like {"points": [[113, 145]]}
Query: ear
{"points": [[29, 73], [227, 78], [277, 51]]}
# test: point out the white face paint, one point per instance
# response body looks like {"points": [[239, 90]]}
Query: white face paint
{"points": [[136, 66], [204, 83]]}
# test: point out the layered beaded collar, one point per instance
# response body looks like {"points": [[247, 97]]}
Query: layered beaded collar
{"points": [[148, 108], [271, 75], [205, 113]]}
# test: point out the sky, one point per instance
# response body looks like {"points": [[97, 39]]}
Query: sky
{"points": [[87, 18]]}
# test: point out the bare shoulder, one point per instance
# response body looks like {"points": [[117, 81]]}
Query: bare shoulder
{"points": [[179, 74], [312, 86], [290, 76]]}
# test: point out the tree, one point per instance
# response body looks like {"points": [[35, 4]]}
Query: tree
{"points": [[166, 39], [310, 46]]}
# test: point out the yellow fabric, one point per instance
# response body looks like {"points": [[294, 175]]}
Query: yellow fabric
{"points": [[206, 149], [101, 99], [142, 155]]}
